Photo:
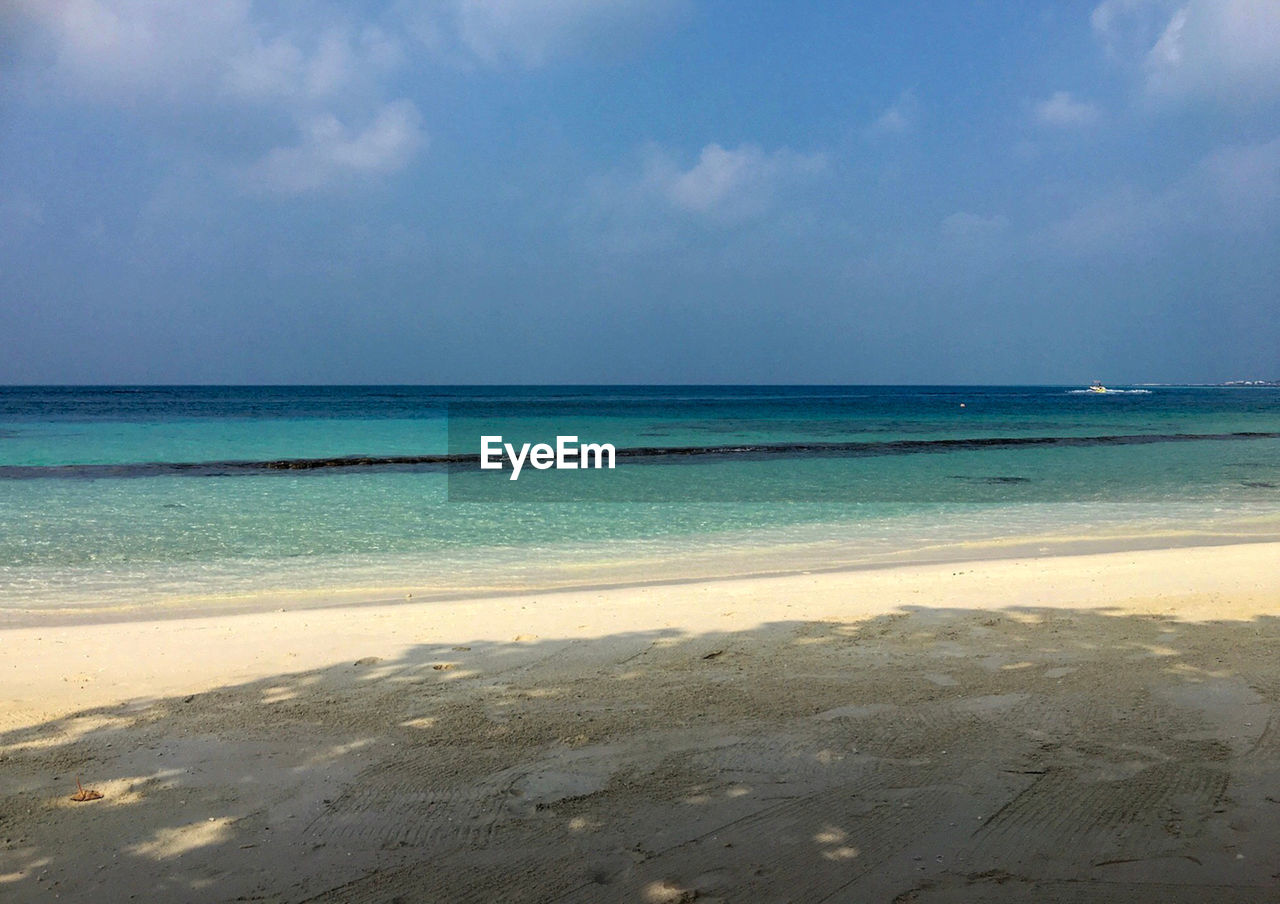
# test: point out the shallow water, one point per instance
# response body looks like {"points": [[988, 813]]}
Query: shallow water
{"points": [[142, 496]]}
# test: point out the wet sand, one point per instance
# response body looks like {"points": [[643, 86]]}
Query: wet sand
{"points": [[1088, 728]]}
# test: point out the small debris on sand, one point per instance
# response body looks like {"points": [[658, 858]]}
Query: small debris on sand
{"points": [[667, 892], [368, 660], [84, 794]]}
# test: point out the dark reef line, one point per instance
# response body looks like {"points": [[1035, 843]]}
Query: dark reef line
{"points": [[641, 453]]}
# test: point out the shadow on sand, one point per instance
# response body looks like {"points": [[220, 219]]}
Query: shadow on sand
{"points": [[932, 755]]}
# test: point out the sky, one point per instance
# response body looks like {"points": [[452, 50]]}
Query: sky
{"points": [[639, 191]]}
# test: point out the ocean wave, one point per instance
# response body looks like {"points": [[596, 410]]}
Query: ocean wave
{"points": [[1109, 392]]}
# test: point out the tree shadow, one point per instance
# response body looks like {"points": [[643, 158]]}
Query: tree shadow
{"points": [[929, 755]]}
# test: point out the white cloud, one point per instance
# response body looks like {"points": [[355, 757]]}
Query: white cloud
{"points": [[1224, 50], [170, 54], [269, 70], [532, 33], [663, 204], [1065, 111], [332, 63], [728, 184], [130, 50], [176, 51], [1128, 28], [329, 151], [898, 118]]}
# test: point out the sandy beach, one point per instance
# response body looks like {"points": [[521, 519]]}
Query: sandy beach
{"points": [[1099, 727]]}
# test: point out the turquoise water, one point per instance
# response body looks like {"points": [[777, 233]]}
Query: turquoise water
{"points": [[153, 497]]}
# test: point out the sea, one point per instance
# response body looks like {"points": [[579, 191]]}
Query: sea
{"points": [[133, 501]]}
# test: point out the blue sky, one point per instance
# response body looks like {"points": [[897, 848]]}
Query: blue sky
{"points": [[639, 191]]}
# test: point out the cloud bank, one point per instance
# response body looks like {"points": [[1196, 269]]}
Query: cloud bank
{"points": [[324, 78], [1220, 50]]}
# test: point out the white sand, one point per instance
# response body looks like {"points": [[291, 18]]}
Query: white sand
{"points": [[1097, 727]]}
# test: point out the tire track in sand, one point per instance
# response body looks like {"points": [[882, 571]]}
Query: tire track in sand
{"points": [[1146, 815]]}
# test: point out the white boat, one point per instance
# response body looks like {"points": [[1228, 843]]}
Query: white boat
{"points": [[1098, 387]]}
